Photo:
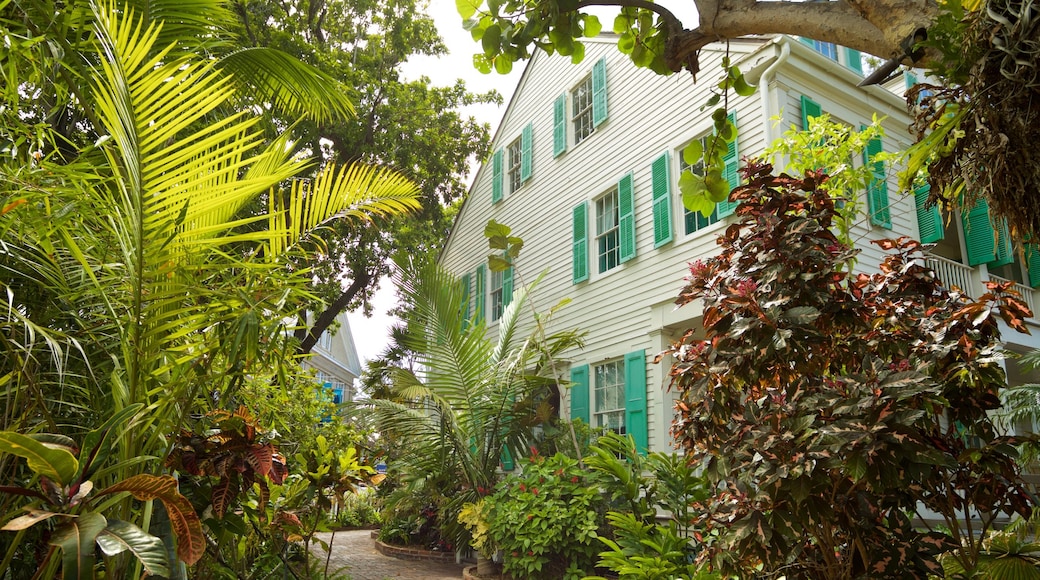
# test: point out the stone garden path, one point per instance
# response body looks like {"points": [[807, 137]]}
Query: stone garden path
{"points": [[354, 555]]}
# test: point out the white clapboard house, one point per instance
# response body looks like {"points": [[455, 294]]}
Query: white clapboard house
{"points": [[584, 170]]}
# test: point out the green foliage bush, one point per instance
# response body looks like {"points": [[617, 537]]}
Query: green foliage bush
{"points": [[643, 546], [547, 519], [359, 510]]}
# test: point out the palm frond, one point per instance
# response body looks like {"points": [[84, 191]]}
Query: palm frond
{"points": [[356, 191], [288, 84], [197, 26]]}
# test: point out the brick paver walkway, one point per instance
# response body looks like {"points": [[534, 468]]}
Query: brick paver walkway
{"points": [[354, 555]]}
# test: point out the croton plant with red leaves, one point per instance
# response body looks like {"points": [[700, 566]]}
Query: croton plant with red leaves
{"points": [[832, 410]]}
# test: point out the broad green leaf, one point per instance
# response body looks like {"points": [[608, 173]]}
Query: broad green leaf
{"points": [[183, 519], [579, 53], [482, 63], [694, 194], [693, 152], [498, 263], [727, 131], [717, 186], [120, 536], [592, 26], [503, 65], [495, 229], [626, 43], [467, 8], [55, 464], [492, 39], [742, 88], [76, 540]]}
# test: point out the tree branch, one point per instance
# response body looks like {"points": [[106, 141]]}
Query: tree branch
{"points": [[326, 318], [873, 26]]}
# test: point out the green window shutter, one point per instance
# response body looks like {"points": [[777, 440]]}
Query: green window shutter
{"points": [[496, 177], [731, 172], [599, 92], [1005, 251], [909, 78], [526, 152], [661, 184], [810, 108], [560, 125], [507, 286], [466, 302], [626, 219], [877, 189], [978, 235], [507, 460], [635, 399], [853, 60], [929, 219], [580, 244], [1033, 264], [478, 302], [580, 393], [806, 41]]}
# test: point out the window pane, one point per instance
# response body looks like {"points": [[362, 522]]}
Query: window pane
{"points": [[581, 108], [514, 165]]}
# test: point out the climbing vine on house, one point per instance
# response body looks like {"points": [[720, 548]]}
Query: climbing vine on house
{"points": [[830, 408]]}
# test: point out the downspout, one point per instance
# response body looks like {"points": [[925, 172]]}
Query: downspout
{"points": [[763, 89]]}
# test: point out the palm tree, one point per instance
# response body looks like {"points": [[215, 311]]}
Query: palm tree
{"points": [[462, 411]]}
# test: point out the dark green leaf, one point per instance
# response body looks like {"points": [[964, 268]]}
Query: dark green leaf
{"points": [[76, 540]]}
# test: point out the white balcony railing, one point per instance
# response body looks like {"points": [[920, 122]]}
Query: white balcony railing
{"points": [[969, 280], [953, 274]]}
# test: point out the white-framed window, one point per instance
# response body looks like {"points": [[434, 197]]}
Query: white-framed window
{"points": [[694, 221], [608, 231], [608, 396], [497, 294], [325, 340], [581, 110], [514, 156]]}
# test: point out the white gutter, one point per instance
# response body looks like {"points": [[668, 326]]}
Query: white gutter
{"points": [[762, 82]]}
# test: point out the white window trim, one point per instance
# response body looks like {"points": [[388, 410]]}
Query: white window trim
{"points": [[512, 166], [596, 390], [496, 313], [576, 114], [616, 229]]}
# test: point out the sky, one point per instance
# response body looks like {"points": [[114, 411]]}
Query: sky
{"points": [[371, 333]]}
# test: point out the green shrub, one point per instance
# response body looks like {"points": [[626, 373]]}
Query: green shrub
{"points": [[644, 546], [547, 519], [359, 510]]}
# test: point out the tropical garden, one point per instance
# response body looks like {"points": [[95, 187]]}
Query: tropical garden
{"points": [[192, 192]]}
